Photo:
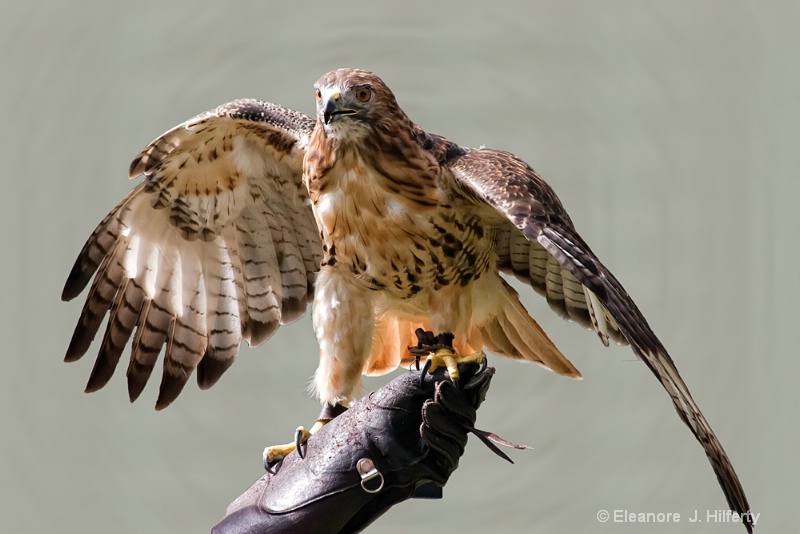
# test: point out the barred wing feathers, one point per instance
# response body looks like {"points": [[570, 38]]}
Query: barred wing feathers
{"points": [[559, 264], [216, 245]]}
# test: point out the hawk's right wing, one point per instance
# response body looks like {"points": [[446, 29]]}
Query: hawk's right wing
{"points": [[507, 190], [216, 245]]}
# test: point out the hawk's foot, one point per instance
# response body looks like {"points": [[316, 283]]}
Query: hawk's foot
{"points": [[447, 358], [428, 342], [275, 453]]}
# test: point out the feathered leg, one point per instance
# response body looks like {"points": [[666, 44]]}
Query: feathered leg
{"points": [[344, 323]]}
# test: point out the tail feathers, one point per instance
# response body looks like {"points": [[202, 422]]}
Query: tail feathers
{"points": [[513, 333]]}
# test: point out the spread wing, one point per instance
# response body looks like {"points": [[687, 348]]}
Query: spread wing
{"points": [[216, 245], [538, 242]]}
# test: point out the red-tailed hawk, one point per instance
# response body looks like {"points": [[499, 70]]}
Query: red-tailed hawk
{"points": [[249, 210]]}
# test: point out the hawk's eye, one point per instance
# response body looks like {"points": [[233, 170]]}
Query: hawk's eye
{"points": [[363, 94], [319, 95]]}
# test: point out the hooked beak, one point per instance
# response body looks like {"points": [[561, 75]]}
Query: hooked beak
{"points": [[333, 108]]}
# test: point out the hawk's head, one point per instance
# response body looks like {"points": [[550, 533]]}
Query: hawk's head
{"points": [[351, 101]]}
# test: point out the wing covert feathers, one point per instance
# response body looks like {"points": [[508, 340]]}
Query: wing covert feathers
{"points": [[216, 245], [576, 284]]}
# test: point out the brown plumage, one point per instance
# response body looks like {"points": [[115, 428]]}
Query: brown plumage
{"points": [[219, 243]]}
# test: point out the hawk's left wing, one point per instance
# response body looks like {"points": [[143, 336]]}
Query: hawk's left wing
{"points": [[506, 186], [217, 244]]}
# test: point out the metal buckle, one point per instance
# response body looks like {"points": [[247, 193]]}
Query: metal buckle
{"points": [[367, 471]]}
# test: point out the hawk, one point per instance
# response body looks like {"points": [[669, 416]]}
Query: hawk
{"points": [[250, 211]]}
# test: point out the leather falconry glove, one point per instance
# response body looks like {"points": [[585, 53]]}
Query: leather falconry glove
{"points": [[402, 441]]}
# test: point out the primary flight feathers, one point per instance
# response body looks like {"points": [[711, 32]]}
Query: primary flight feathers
{"points": [[216, 245]]}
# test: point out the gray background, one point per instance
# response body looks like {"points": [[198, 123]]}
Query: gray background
{"points": [[669, 129]]}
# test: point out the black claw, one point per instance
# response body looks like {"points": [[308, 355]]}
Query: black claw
{"points": [[424, 371], [271, 467], [484, 365], [456, 383], [265, 462], [298, 435]]}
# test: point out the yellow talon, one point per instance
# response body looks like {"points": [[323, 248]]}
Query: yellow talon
{"points": [[445, 357], [278, 452]]}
